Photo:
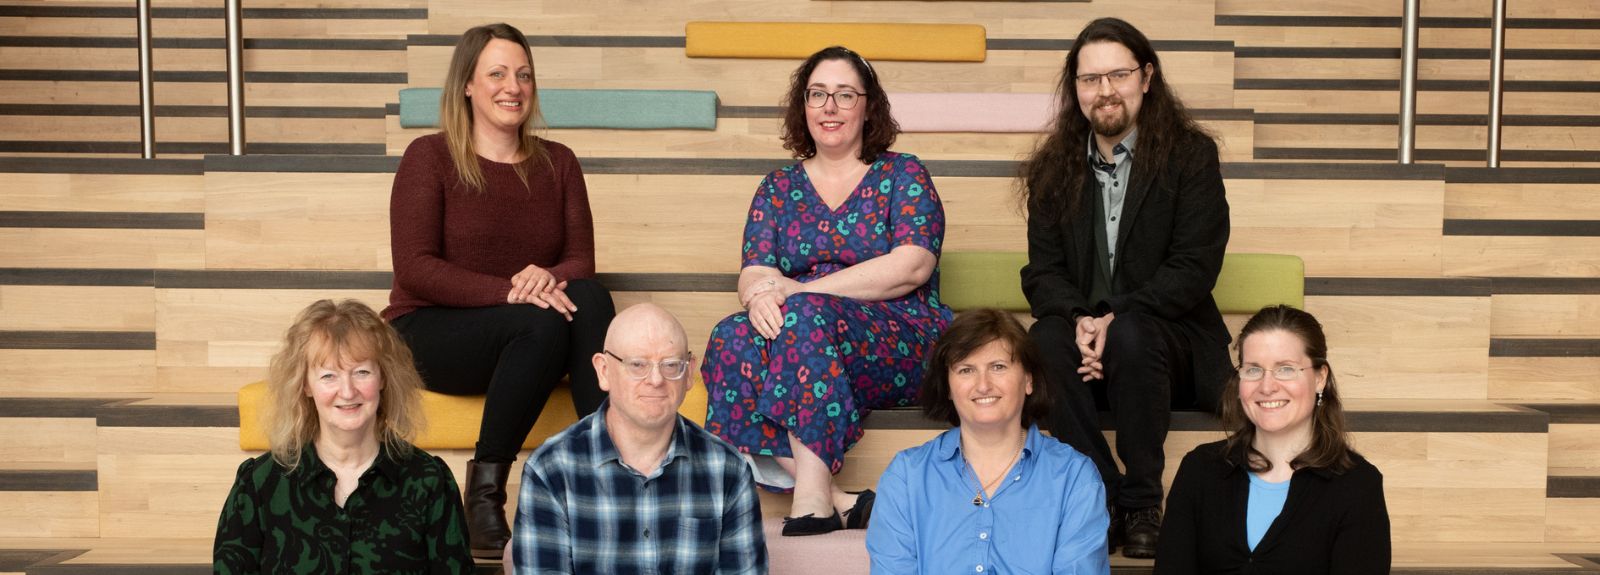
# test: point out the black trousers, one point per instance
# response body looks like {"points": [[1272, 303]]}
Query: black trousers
{"points": [[1147, 372], [515, 355]]}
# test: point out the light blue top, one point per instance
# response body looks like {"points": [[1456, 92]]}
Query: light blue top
{"points": [[1264, 503], [1048, 514]]}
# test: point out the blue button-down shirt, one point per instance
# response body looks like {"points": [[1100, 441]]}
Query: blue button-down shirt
{"points": [[581, 510], [1048, 514]]}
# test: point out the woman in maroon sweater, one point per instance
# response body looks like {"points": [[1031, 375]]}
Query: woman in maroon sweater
{"points": [[494, 263]]}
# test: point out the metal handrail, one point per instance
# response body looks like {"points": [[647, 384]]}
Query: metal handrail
{"points": [[1408, 83], [147, 97], [1497, 74], [235, 40]]}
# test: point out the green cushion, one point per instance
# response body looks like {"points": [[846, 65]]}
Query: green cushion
{"points": [[1249, 282], [617, 109]]}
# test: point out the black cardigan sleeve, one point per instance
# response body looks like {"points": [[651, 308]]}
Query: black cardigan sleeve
{"points": [[1361, 543]]}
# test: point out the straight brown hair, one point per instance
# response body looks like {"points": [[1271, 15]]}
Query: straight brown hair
{"points": [[968, 332]]}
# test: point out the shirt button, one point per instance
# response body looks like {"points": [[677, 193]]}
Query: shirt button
{"points": [[984, 535], [980, 568]]}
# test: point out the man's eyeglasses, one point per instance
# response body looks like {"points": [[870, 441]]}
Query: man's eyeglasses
{"points": [[639, 368], [846, 99], [1117, 77], [1280, 373]]}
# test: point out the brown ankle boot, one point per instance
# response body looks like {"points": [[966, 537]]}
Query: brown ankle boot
{"points": [[485, 503]]}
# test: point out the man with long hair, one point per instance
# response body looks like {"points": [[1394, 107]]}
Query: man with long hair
{"points": [[1127, 225]]}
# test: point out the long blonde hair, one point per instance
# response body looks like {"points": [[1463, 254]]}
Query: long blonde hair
{"points": [[345, 330], [455, 111]]}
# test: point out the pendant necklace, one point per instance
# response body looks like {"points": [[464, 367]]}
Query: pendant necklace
{"points": [[977, 497]]}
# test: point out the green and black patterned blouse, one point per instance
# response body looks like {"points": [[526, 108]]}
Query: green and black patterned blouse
{"points": [[404, 517]]}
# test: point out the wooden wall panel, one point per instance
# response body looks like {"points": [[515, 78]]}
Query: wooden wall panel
{"points": [[103, 193], [1544, 378], [1521, 201], [102, 248], [1407, 347], [1547, 315], [89, 308], [198, 60], [57, 372], [1573, 521], [48, 440], [1539, 256], [50, 514], [1575, 446], [297, 220], [1428, 137], [168, 480], [197, 94], [186, 129]]}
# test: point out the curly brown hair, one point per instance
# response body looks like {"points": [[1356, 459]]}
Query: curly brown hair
{"points": [[879, 128]]}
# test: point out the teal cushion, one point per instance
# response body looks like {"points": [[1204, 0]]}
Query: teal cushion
{"points": [[1249, 282], [616, 109]]}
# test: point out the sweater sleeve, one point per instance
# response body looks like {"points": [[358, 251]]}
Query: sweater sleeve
{"points": [[416, 234], [577, 252]]}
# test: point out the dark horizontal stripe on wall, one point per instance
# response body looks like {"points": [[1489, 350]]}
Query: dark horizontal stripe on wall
{"points": [[19, 560], [191, 111], [1419, 287], [204, 43], [1519, 347], [1330, 171], [1425, 155], [144, 415], [205, 76], [1422, 85], [77, 277], [104, 220], [272, 279], [49, 480], [188, 148], [1064, 44], [131, 12], [1572, 486], [101, 166], [1394, 22], [305, 163], [670, 282], [1355, 53], [391, 109], [749, 111], [97, 340], [1522, 175], [564, 41], [1571, 413], [54, 407], [1426, 119], [1545, 286], [1543, 228]]}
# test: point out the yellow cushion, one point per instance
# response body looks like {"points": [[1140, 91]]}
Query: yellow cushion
{"points": [[453, 420], [914, 42]]}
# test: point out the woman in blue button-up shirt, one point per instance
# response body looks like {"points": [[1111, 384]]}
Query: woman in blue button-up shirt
{"points": [[991, 495]]}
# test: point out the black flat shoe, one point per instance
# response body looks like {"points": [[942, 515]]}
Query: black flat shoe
{"points": [[860, 513], [810, 524]]}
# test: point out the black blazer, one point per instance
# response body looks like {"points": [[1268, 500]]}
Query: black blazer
{"points": [[1170, 243], [1331, 523]]}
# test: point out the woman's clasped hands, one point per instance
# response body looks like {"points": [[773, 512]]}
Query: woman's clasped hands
{"points": [[537, 286]]}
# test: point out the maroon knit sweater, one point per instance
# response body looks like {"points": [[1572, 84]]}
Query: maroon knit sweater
{"points": [[454, 247]]}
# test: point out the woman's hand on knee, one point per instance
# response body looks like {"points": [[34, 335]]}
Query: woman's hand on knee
{"points": [[556, 299], [766, 313]]}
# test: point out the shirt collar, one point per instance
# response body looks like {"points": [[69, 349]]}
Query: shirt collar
{"points": [[603, 450], [1125, 147], [385, 463], [948, 445]]}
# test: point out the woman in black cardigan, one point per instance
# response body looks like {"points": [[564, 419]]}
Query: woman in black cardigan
{"points": [[1284, 493]]}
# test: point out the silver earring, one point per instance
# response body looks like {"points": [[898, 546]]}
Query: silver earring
{"points": [[1319, 399]]}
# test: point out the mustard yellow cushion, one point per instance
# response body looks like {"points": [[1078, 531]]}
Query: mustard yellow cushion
{"points": [[453, 420], [911, 42]]}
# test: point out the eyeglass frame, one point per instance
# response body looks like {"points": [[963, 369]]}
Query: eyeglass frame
{"points": [[806, 98], [1274, 371], [655, 366], [1080, 79]]}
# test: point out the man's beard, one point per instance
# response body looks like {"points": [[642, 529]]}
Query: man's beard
{"points": [[1113, 125]]}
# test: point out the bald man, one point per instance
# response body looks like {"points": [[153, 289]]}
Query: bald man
{"points": [[635, 487]]}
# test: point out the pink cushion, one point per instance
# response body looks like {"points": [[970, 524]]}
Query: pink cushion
{"points": [[972, 112]]}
